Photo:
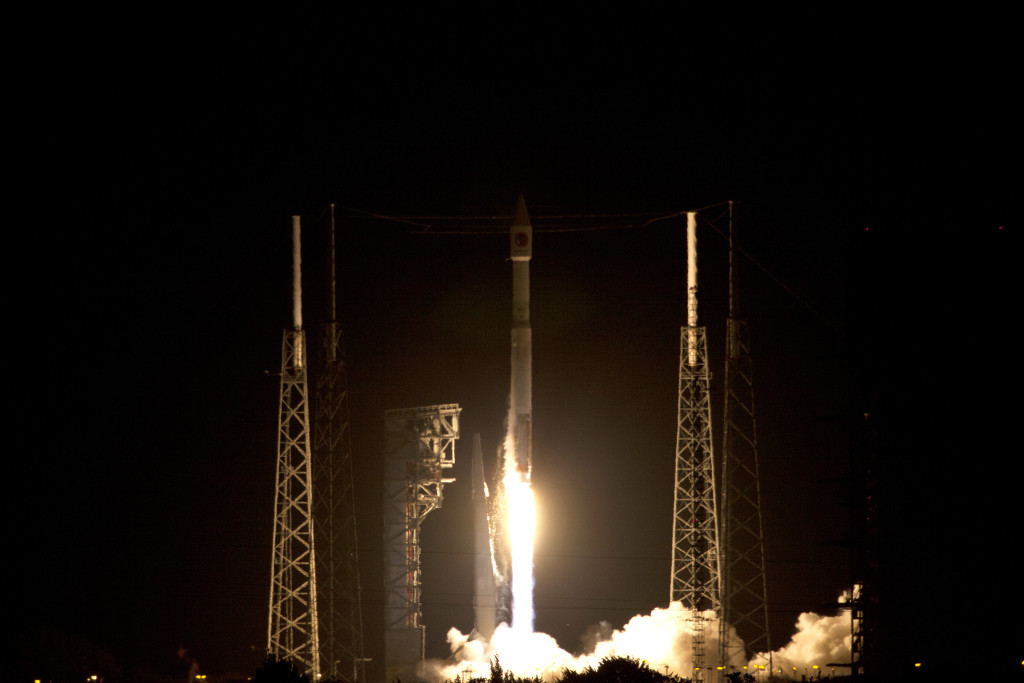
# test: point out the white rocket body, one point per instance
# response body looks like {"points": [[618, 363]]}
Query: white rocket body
{"points": [[521, 243]]}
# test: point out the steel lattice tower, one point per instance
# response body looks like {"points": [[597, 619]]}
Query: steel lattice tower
{"points": [[292, 624], [420, 447], [744, 586], [340, 613], [695, 559]]}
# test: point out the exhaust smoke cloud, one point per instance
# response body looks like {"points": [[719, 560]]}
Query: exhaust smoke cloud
{"points": [[662, 639]]}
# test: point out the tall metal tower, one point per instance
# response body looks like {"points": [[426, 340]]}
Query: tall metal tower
{"points": [[420, 447], [340, 613], [744, 585], [867, 643], [292, 624], [695, 569]]}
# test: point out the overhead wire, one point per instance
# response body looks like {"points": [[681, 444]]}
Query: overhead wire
{"points": [[434, 225]]}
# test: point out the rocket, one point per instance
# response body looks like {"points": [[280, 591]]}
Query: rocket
{"points": [[521, 244]]}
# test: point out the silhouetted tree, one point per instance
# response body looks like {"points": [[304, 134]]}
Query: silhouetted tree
{"points": [[619, 670], [276, 670], [740, 677], [610, 670]]}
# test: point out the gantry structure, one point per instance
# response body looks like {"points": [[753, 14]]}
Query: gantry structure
{"points": [[292, 627], [420, 448], [744, 585], [338, 592], [866, 642], [696, 580]]}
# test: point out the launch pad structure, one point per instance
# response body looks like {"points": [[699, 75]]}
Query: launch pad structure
{"points": [[292, 626], [696, 581], [718, 558], [717, 572], [420, 447]]}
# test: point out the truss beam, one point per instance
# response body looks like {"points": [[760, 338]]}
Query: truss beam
{"points": [[292, 628], [744, 593], [340, 612], [696, 581]]}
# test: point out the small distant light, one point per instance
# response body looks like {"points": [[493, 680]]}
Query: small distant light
{"points": [[867, 228], [917, 665]]}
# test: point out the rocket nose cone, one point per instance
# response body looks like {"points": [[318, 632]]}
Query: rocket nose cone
{"points": [[522, 217]]}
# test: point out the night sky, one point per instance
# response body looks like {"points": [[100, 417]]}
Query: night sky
{"points": [[872, 163]]}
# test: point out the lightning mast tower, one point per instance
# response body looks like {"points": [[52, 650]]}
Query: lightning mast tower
{"points": [[695, 560], [340, 613], [292, 625], [420, 447], [744, 585]]}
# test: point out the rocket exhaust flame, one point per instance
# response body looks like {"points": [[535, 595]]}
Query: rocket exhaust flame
{"points": [[521, 526]]}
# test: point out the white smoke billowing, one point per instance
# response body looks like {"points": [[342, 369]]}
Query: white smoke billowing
{"points": [[663, 639], [818, 641]]}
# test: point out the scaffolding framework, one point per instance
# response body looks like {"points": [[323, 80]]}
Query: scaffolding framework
{"points": [[340, 612], [695, 560], [420, 447], [292, 628], [744, 586]]}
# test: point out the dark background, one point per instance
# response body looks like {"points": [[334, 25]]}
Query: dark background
{"points": [[159, 157]]}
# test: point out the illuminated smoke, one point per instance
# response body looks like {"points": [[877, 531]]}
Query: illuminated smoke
{"points": [[662, 639], [818, 642]]}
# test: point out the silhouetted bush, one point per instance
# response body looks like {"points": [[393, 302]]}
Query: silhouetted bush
{"points": [[276, 670], [610, 670]]}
